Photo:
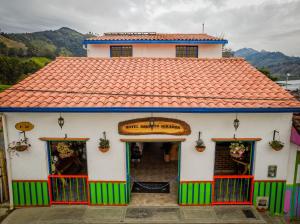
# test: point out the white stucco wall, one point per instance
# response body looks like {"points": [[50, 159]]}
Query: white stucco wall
{"points": [[155, 50], [111, 165]]}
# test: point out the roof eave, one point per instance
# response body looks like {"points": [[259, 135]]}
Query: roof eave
{"points": [[85, 42], [149, 109]]}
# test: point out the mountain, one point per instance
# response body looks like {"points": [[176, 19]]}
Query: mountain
{"points": [[50, 43], [278, 63]]}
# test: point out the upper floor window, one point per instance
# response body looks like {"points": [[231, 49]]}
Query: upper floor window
{"points": [[187, 51], [121, 51]]}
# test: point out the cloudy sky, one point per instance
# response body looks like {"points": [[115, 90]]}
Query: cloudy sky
{"points": [[273, 25]]}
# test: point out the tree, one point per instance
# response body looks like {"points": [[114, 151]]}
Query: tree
{"points": [[227, 53], [267, 73]]}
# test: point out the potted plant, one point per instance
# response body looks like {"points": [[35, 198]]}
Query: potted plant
{"points": [[104, 144], [237, 150], [200, 147], [276, 145]]}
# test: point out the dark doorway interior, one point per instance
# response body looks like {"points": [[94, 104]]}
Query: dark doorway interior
{"points": [[157, 163], [68, 157], [225, 164]]}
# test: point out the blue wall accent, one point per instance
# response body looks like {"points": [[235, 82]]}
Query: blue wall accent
{"points": [[148, 109], [155, 42]]}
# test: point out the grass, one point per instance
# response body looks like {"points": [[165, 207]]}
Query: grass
{"points": [[11, 43], [3, 87], [42, 61]]}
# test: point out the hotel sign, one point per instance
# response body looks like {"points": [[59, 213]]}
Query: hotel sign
{"points": [[24, 126], [154, 125]]}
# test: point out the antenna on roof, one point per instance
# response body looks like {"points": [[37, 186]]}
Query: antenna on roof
{"points": [[202, 27]]}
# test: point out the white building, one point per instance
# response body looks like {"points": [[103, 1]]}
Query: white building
{"points": [[152, 103]]}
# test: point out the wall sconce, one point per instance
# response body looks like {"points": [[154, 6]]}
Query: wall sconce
{"points": [[61, 121], [236, 123]]}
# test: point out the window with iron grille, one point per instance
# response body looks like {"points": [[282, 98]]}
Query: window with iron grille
{"points": [[121, 51], [187, 51]]}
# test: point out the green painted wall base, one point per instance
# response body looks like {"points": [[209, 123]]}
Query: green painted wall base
{"points": [[195, 193], [30, 193], [108, 193], [275, 190]]}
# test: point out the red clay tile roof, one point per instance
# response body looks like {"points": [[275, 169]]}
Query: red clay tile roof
{"points": [[148, 82], [157, 36]]}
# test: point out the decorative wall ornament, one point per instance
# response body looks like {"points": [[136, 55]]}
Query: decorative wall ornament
{"points": [[200, 146], [104, 143]]}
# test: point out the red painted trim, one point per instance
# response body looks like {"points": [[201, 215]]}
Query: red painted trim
{"points": [[232, 203], [107, 181], [70, 202], [88, 191], [196, 181], [69, 176], [50, 190], [213, 192], [29, 180], [251, 190], [233, 176]]}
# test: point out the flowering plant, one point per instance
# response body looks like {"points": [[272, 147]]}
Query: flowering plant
{"points": [[237, 150]]}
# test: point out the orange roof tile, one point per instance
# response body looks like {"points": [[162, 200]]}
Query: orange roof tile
{"points": [[148, 82], [156, 36]]}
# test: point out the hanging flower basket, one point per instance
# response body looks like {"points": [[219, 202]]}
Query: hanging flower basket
{"points": [[276, 145], [104, 144], [237, 150], [103, 149], [19, 146], [200, 147], [64, 150]]}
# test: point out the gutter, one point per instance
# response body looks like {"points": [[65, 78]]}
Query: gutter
{"points": [[8, 162]]}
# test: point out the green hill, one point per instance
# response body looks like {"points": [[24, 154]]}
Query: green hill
{"points": [[278, 63], [50, 43], [22, 54]]}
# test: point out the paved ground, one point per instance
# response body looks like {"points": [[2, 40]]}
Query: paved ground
{"points": [[84, 214]]}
